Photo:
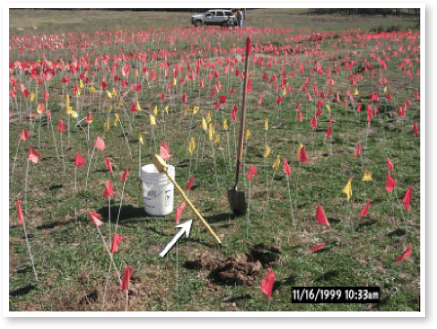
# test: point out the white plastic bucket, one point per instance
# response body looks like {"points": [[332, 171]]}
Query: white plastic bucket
{"points": [[158, 190]]}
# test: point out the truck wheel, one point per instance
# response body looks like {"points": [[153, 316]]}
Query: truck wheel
{"points": [[197, 23]]}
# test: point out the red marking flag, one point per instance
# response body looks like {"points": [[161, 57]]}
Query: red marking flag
{"points": [[125, 174], [108, 164], [116, 239], [390, 183], [95, 218], [407, 199], [100, 144], [267, 283], [108, 190], [313, 122], [252, 171], [321, 217], [358, 150], [126, 277], [24, 135], [20, 212], [33, 155], [190, 183], [79, 161], [231, 91], [317, 247], [61, 126], [287, 169], [233, 113], [404, 255], [302, 157], [389, 165], [163, 153], [415, 130], [179, 211], [89, 118], [363, 212]]}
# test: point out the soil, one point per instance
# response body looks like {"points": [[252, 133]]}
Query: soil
{"points": [[242, 269]]}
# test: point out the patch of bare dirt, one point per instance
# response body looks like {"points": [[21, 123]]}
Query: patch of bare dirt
{"points": [[114, 299], [242, 269]]}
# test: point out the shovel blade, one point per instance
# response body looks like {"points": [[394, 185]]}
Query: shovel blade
{"points": [[237, 202]]}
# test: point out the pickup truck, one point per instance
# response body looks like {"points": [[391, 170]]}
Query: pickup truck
{"points": [[214, 17]]}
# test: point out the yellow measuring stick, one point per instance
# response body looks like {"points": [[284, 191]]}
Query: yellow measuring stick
{"points": [[162, 167]]}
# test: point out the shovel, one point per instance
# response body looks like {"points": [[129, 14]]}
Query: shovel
{"points": [[237, 199]]}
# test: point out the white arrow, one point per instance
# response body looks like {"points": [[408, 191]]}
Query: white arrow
{"points": [[185, 228]]}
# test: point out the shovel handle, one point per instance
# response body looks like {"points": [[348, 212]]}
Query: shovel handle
{"points": [[243, 113], [193, 208]]}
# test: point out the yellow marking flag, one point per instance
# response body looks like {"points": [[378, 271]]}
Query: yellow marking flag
{"points": [[152, 120], [367, 177], [92, 90], [139, 107], [32, 96], [217, 139], [266, 124], [204, 124], [192, 145], [277, 162], [155, 110], [140, 137], [248, 133], [106, 125], [266, 151], [195, 110], [299, 148], [117, 118], [73, 114], [225, 124], [348, 189], [328, 107]]}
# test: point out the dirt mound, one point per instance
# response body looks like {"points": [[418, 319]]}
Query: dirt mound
{"points": [[242, 269]]}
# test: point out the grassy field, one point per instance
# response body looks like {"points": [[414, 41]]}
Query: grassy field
{"points": [[69, 256], [89, 21]]}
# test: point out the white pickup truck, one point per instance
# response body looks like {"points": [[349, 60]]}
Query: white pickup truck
{"points": [[215, 17]]}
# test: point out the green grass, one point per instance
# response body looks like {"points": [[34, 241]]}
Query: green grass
{"points": [[69, 256], [65, 21]]}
